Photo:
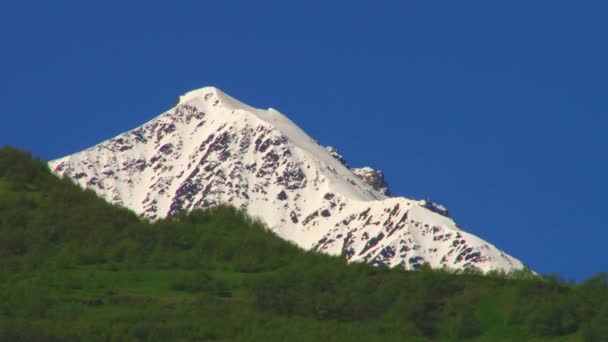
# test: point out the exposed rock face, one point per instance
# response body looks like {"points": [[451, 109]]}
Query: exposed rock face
{"points": [[371, 177], [211, 149], [434, 207], [374, 178], [336, 154]]}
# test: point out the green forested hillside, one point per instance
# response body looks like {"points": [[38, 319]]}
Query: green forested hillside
{"points": [[73, 267]]}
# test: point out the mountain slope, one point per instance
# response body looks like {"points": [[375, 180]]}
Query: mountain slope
{"points": [[212, 149], [74, 267]]}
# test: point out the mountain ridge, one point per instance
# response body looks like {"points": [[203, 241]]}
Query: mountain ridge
{"points": [[212, 149]]}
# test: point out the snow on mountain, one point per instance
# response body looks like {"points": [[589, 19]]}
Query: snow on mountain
{"points": [[211, 149]]}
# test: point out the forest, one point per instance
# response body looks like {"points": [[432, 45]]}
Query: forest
{"points": [[74, 267]]}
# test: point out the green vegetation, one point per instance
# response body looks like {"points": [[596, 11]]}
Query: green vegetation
{"points": [[73, 267]]}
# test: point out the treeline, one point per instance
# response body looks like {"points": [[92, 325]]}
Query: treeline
{"points": [[74, 267]]}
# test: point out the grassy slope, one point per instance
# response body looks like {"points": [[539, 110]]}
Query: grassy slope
{"points": [[74, 267]]}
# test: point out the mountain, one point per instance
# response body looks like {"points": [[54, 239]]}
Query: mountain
{"points": [[212, 149]]}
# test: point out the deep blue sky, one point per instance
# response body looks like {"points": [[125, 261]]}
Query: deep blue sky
{"points": [[498, 111]]}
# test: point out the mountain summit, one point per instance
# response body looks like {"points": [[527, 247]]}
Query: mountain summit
{"points": [[212, 149]]}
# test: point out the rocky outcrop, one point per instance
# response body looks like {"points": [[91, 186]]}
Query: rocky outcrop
{"points": [[374, 178]]}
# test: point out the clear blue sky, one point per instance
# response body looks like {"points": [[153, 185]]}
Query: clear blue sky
{"points": [[498, 111]]}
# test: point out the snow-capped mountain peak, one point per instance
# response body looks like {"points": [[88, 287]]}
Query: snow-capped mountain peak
{"points": [[211, 149], [214, 96]]}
